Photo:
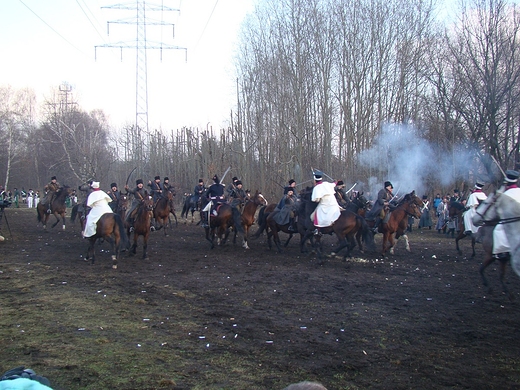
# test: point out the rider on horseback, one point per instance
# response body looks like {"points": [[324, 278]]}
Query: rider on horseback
{"points": [[237, 196], [114, 195], [156, 188], [166, 186], [501, 246], [215, 195], [98, 201], [140, 194], [381, 205], [198, 191], [327, 211], [340, 194], [286, 215], [474, 200], [50, 193]]}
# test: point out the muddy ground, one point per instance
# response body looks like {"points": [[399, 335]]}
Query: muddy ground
{"points": [[229, 318]]}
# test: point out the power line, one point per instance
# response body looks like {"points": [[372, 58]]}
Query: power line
{"points": [[207, 22], [56, 32]]}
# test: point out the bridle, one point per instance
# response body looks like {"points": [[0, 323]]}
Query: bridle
{"points": [[501, 221]]}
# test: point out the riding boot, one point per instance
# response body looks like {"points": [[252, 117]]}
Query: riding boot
{"points": [[376, 225], [317, 232], [291, 227]]}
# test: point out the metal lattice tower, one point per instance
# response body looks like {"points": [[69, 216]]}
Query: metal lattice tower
{"points": [[141, 47]]}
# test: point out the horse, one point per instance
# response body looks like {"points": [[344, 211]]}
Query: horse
{"points": [[219, 225], [456, 210], [501, 209], [110, 227], [191, 203], [58, 208], [248, 215], [79, 211], [162, 209], [142, 224], [396, 223]]}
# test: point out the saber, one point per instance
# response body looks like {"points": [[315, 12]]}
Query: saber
{"points": [[225, 173], [303, 182], [130, 174], [499, 167], [351, 188]]}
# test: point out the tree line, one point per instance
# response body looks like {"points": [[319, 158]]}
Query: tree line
{"points": [[320, 84]]}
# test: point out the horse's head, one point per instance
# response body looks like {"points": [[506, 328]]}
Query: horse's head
{"points": [[122, 202], [412, 204], [361, 201], [259, 199], [455, 209]]}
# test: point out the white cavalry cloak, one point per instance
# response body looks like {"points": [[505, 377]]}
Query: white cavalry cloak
{"points": [[472, 203], [500, 241], [327, 210], [98, 200]]}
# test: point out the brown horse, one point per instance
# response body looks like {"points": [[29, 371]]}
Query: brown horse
{"points": [[58, 208], [110, 227], [142, 224], [161, 211], [248, 215], [394, 225], [219, 225], [191, 203], [122, 206]]}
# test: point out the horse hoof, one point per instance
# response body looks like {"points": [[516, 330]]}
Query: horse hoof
{"points": [[114, 266]]}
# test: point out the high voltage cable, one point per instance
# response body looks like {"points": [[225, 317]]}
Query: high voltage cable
{"points": [[56, 32], [207, 22]]}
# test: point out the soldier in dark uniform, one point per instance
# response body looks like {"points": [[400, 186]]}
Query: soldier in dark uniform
{"points": [[114, 195], [381, 205], [287, 212], [139, 194], [156, 188], [50, 193], [166, 186], [215, 195], [237, 196]]}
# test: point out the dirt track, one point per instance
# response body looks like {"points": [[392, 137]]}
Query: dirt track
{"points": [[230, 318]]}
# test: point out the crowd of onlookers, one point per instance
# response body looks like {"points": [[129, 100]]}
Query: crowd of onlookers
{"points": [[18, 197]]}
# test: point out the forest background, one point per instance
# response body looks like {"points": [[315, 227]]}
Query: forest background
{"points": [[364, 90]]}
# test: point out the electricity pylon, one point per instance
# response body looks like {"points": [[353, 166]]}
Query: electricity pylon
{"points": [[141, 45]]}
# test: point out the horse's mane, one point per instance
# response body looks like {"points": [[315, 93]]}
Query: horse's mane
{"points": [[457, 205], [63, 192]]}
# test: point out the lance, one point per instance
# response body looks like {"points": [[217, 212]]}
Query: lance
{"points": [[303, 182]]}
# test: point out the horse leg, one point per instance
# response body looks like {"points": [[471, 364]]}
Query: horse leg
{"points": [[244, 240], [406, 242], [460, 236], [503, 264], [91, 250], [277, 241], [473, 241], [57, 220], [133, 250], [486, 263], [287, 242], [145, 245]]}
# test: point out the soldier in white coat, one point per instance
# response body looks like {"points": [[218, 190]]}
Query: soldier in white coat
{"points": [[99, 202], [472, 203], [328, 209], [500, 242]]}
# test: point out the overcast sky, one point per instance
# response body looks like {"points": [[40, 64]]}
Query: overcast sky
{"points": [[47, 43]]}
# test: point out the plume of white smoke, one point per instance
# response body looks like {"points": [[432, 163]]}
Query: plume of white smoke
{"points": [[401, 156]]}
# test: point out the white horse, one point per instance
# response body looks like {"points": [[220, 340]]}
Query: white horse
{"points": [[506, 210]]}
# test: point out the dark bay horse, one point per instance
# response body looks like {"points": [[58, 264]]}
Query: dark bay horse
{"points": [[142, 224], [78, 211], [191, 203], [456, 210], [220, 224], [397, 222], [248, 215], [162, 209], [58, 208], [110, 227]]}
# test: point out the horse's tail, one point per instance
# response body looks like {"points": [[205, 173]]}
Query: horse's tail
{"points": [[125, 242], [237, 219], [74, 213]]}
